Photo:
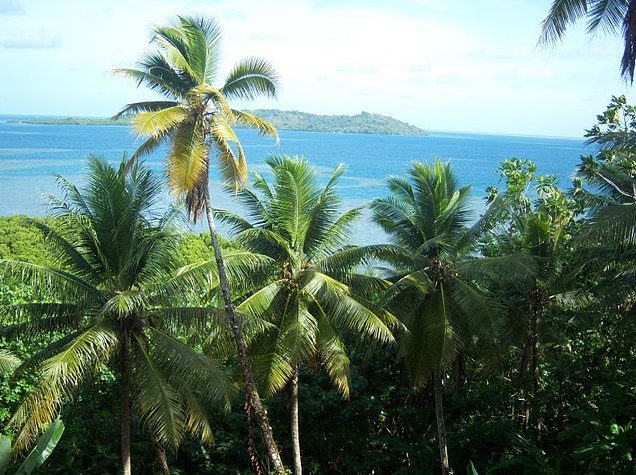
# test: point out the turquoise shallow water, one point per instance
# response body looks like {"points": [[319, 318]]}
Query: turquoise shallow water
{"points": [[31, 154]]}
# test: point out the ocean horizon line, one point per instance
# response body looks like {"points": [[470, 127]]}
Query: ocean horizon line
{"points": [[428, 130]]}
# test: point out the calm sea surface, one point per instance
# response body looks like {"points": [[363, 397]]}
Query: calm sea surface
{"points": [[31, 154]]}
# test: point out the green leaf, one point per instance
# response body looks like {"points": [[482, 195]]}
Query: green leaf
{"points": [[46, 443], [5, 453], [470, 469]]}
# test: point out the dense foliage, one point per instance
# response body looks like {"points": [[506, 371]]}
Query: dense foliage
{"points": [[503, 345], [572, 409]]}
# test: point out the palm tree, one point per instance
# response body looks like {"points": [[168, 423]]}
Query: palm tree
{"points": [[195, 117], [113, 297], [602, 15], [438, 291], [309, 298], [542, 230]]}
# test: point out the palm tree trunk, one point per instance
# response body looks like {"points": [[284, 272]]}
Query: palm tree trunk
{"points": [[536, 321], [251, 392], [255, 462], [295, 430], [160, 452], [125, 405], [525, 356], [459, 371], [441, 429], [523, 368]]}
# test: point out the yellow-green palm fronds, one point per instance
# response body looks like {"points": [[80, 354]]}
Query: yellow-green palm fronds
{"points": [[253, 121]]}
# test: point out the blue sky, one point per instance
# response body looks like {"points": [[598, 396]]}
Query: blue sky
{"points": [[465, 65]]}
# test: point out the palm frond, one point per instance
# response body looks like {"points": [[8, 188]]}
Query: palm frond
{"points": [[333, 356], [53, 348], [55, 281], [61, 375], [172, 41], [612, 224], [126, 302], [257, 210], [396, 218], [333, 234], [510, 269], [259, 305], [35, 320], [562, 14], [432, 341], [148, 147], [188, 159], [70, 256], [158, 75], [261, 185], [159, 402], [232, 165], [628, 61], [216, 102], [203, 38], [480, 314], [186, 319], [253, 121], [606, 15], [265, 241], [145, 106], [251, 78], [344, 311], [292, 342], [157, 123], [235, 222], [202, 375], [8, 361]]}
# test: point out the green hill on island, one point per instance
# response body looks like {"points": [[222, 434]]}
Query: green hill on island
{"points": [[363, 123]]}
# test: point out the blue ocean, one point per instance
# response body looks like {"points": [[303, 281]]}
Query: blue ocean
{"points": [[30, 155]]}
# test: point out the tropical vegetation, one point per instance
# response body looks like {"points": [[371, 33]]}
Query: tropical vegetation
{"points": [[452, 342], [113, 295], [197, 119], [311, 297]]}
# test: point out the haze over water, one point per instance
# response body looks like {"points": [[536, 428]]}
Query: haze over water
{"points": [[31, 154]]}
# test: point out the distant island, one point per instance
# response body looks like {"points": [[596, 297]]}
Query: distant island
{"points": [[363, 123]]}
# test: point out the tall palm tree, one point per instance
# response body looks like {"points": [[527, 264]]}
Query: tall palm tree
{"points": [[438, 291], [114, 296], [196, 117], [602, 15], [309, 299], [607, 238]]}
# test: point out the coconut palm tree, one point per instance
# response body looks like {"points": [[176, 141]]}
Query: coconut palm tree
{"points": [[438, 291], [309, 299], [113, 298], [602, 15], [196, 118], [540, 228]]}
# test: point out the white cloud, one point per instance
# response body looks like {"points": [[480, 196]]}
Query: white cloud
{"points": [[38, 40], [440, 65], [8, 7]]}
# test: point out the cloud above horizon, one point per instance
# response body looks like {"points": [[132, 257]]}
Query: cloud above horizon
{"points": [[438, 65], [36, 40], [8, 7]]}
